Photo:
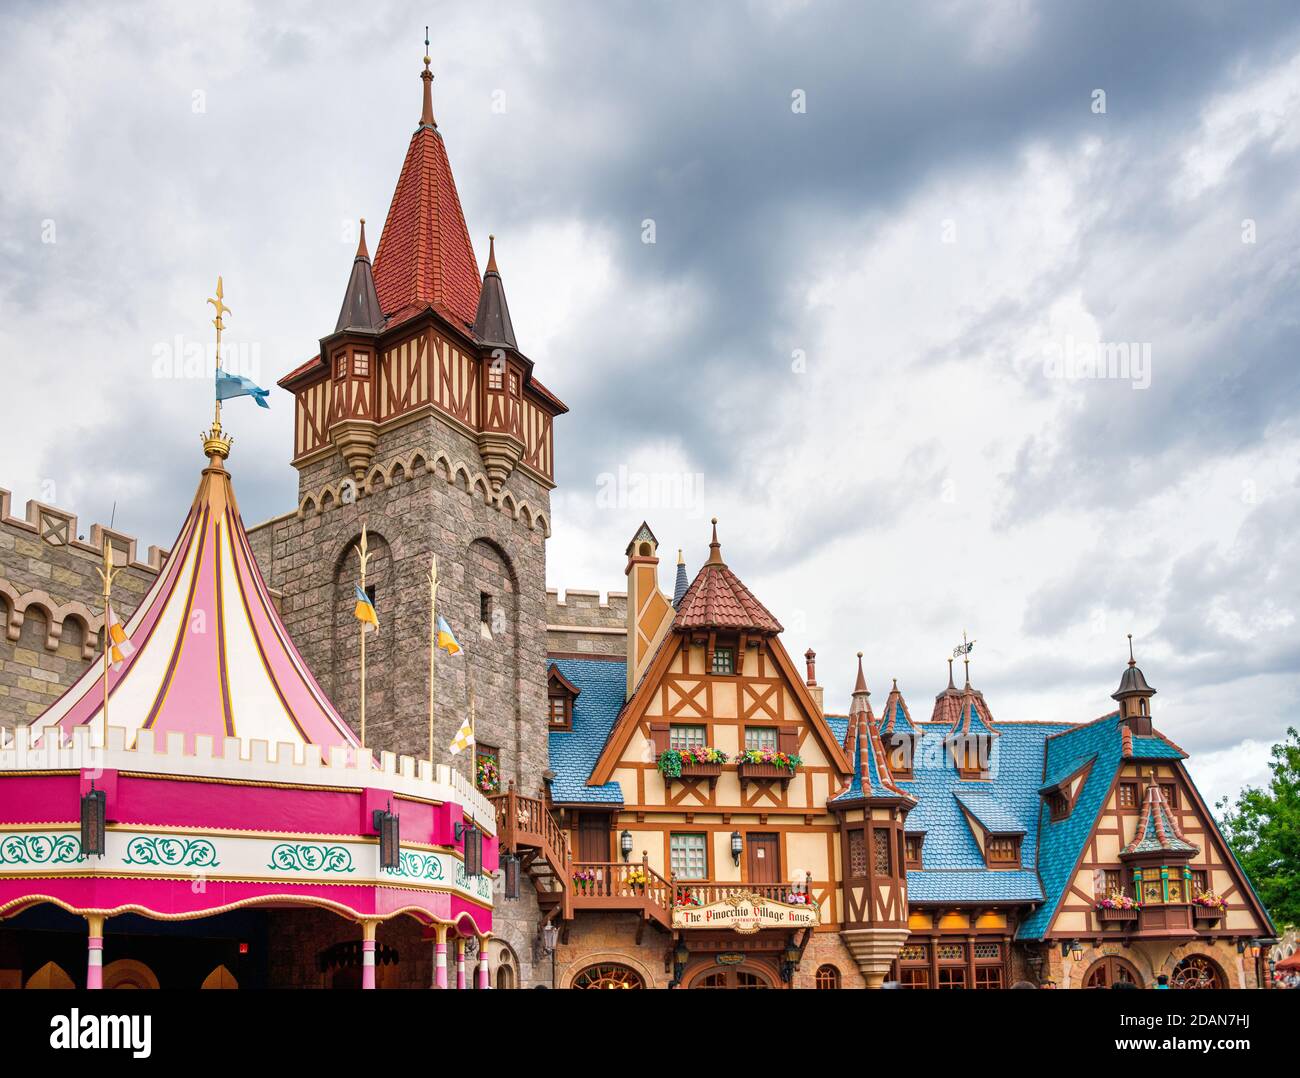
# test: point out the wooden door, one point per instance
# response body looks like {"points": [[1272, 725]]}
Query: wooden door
{"points": [[764, 856], [593, 836]]}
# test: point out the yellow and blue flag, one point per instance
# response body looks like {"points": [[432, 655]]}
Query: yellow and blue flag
{"points": [[446, 639], [365, 611]]}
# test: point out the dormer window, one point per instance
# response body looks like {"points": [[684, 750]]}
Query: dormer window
{"points": [[560, 695], [1058, 805], [1002, 851], [900, 755], [912, 850]]}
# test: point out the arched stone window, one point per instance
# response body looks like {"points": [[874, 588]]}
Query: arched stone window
{"points": [[828, 976], [1109, 971], [1198, 971], [608, 975]]}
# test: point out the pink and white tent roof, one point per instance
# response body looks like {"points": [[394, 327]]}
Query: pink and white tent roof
{"points": [[211, 653]]}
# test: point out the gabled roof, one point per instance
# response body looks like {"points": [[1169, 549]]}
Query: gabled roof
{"points": [[600, 685], [425, 258], [954, 869], [717, 599], [1061, 842], [555, 674], [241, 677], [990, 813], [895, 718], [1157, 830], [625, 722], [970, 718]]}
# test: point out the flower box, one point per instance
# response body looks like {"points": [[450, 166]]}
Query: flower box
{"points": [[749, 770], [1207, 915], [1108, 915], [700, 770]]}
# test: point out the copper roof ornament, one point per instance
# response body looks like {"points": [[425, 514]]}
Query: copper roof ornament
{"points": [[715, 548], [426, 115]]}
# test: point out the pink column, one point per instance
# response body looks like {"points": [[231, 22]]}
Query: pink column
{"points": [[460, 962], [482, 962], [95, 952], [440, 957], [368, 954]]}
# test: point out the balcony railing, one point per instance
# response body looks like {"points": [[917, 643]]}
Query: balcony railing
{"points": [[616, 885], [526, 823]]}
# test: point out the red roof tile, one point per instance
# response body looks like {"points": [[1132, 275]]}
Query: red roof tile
{"points": [[425, 257], [717, 599]]}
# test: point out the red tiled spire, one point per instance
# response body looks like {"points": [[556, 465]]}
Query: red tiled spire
{"points": [[425, 257], [717, 599]]}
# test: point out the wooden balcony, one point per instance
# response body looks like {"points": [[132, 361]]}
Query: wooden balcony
{"points": [[526, 827], [616, 885]]}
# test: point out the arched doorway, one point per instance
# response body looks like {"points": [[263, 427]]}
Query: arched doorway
{"points": [[1110, 971], [608, 975], [730, 977], [1198, 971], [220, 978], [128, 973], [50, 975]]}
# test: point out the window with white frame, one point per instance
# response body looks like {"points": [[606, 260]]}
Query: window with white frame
{"points": [[686, 737], [688, 857], [760, 737]]}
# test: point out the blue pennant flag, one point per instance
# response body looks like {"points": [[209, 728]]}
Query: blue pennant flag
{"points": [[236, 385]]}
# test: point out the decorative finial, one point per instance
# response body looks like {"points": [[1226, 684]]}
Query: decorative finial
{"points": [[861, 685], [426, 116], [715, 548], [895, 689], [492, 255], [950, 684], [680, 559], [362, 250], [1131, 661], [216, 443]]}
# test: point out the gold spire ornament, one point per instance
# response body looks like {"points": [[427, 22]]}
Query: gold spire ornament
{"points": [[433, 642], [216, 442], [107, 574]]}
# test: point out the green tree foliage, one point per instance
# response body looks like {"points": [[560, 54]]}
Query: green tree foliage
{"points": [[1263, 828]]}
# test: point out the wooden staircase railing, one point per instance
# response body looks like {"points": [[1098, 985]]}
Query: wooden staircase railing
{"points": [[525, 824], [622, 885]]}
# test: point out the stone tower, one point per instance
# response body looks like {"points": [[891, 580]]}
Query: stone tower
{"points": [[421, 418]]}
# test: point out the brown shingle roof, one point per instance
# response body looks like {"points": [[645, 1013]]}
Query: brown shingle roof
{"points": [[717, 599]]}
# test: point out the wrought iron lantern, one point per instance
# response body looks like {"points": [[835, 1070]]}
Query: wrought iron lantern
{"points": [[625, 844], [681, 955], [390, 841], [789, 961], [510, 870], [94, 810], [550, 937], [737, 847], [1074, 949], [472, 838]]}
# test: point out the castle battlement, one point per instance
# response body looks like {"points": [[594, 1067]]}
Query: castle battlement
{"points": [[582, 623], [58, 527], [239, 760]]}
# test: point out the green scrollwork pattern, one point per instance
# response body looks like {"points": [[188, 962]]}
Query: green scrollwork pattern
{"points": [[310, 857], [418, 866], [41, 850], [166, 851]]}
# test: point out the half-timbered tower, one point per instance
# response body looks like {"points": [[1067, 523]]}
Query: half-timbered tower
{"points": [[421, 417]]}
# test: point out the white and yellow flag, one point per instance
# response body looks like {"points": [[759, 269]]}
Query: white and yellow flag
{"points": [[118, 640], [465, 735]]}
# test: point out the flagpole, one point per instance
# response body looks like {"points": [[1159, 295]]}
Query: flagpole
{"points": [[433, 642], [221, 310], [364, 555], [106, 574]]}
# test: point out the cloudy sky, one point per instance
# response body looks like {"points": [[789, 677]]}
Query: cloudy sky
{"points": [[889, 243]]}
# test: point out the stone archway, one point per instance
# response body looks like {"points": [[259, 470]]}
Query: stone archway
{"points": [[128, 973], [1109, 971], [1198, 971], [220, 978], [748, 975]]}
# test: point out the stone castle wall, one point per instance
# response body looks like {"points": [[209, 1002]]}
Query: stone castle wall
{"points": [[426, 496], [51, 602], [581, 623]]}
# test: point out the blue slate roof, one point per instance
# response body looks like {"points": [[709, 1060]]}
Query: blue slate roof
{"points": [[839, 725], [901, 723], [1155, 748], [953, 866], [1061, 841], [870, 774], [991, 813], [573, 753]]}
